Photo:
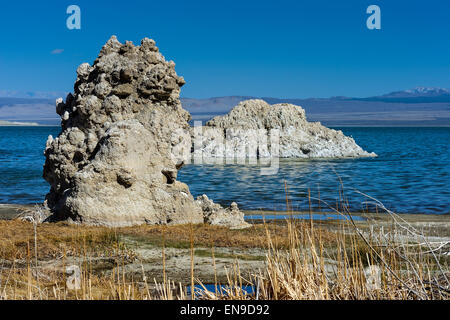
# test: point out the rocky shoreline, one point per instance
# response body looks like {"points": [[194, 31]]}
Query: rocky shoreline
{"points": [[14, 211]]}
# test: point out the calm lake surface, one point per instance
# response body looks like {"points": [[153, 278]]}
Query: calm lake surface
{"points": [[410, 175]]}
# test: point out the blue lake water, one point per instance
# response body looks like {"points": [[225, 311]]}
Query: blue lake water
{"points": [[410, 175]]}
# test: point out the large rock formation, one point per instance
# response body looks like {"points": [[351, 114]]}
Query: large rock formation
{"points": [[253, 127], [114, 162]]}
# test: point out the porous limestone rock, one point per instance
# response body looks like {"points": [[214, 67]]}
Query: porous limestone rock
{"points": [[215, 214], [114, 162], [251, 128]]}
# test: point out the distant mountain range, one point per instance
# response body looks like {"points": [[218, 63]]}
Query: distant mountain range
{"points": [[416, 107], [16, 124], [417, 95], [32, 94], [420, 92]]}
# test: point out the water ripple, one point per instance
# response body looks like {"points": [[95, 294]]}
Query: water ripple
{"points": [[411, 174]]}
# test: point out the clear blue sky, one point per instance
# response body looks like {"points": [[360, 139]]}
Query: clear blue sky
{"points": [[276, 48]]}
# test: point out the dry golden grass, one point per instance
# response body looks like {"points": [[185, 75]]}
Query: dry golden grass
{"points": [[56, 239], [303, 261], [17, 237], [207, 235], [309, 270], [294, 274]]}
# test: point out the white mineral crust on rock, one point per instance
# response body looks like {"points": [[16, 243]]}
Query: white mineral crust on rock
{"points": [[113, 163], [251, 128]]}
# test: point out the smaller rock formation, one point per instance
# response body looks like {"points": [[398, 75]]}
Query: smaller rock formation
{"points": [[248, 131], [215, 214]]}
